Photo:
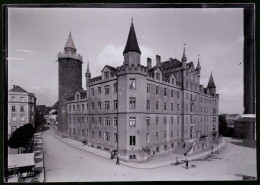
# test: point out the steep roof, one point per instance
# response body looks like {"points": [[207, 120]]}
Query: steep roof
{"points": [[70, 43], [56, 105], [17, 88], [211, 83], [132, 44], [167, 65]]}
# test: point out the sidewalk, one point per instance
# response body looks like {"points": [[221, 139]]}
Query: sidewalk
{"points": [[153, 162]]}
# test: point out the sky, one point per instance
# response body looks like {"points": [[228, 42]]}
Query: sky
{"points": [[37, 35]]}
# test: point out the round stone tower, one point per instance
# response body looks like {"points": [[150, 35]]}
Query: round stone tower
{"points": [[70, 79]]}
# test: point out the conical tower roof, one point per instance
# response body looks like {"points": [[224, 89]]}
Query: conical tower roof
{"points": [[70, 43], [211, 83], [198, 65], [132, 44]]}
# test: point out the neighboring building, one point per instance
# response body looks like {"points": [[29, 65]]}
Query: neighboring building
{"points": [[245, 128], [226, 124], [141, 110], [21, 108], [43, 111], [53, 114]]}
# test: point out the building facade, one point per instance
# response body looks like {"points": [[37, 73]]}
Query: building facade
{"points": [[21, 108], [143, 110]]}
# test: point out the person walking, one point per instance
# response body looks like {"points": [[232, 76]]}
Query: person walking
{"points": [[117, 161], [212, 149], [187, 164]]}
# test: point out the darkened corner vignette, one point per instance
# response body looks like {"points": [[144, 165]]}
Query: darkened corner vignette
{"points": [[248, 57]]}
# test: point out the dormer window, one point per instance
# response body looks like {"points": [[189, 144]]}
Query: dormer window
{"points": [[157, 76], [106, 75], [172, 81], [77, 97]]}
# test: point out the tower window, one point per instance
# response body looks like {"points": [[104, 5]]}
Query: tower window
{"points": [[148, 104], [171, 106], [99, 121], [132, 102], [165, 120], [132, 140], [132, 121], [13, 117], [157, 135], [132, 83]]}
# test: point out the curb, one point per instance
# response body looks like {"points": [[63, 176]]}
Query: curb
{"points": [[167, 163]]}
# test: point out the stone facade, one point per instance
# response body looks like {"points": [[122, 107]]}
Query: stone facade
{"points": [[149, 109]]}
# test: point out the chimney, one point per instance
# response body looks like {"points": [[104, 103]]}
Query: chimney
{"points": [[149, 63], [170, 59], [158, 59]]}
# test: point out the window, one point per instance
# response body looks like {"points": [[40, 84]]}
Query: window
{"points": [[132, 102], [93, 92], [187, 107], [99, 134], [13, 108], [147, 120], [115, 87], [21, 99], [172, 81], [107, 105], [22, 109], [178, 120], [93, 106], [178, 107], [171, 106], [115, 121], [165, 120], [92, 134], [157, 120], [171, 120], [214, 119], [83, 133], [13, 98], [148, 104], [164, 106], [93, 120], [190, 108], [214, 111], [171, 133], [165, 147], [165, 92], [107, 121], [187, 74], [157, 149], [115, 137], [172, 93], [157, 90], [99, 105], [22, 118], [115, 104], [132, 156], [106, 75], [187, 84], [78, 108], [99, 90], [157, 135], [69, 120], [107, 89], [132, 121], [132, 83], [177, 132], [178, 94], [191, 85], [31, 117], [148, 88], [132, 140], [214, 102], [77, 97], [187, 96], [99, 121], [157, 105], [69, 108], [191, 120], [83, 119], [147, 137], [157, 76]]}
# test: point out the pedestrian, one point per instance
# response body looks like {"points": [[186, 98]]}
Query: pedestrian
{"points": [[117, 161], [212, 149], [187, 164], [184, 145]]}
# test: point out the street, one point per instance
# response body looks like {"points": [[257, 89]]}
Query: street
{"points": [[65, 163]]}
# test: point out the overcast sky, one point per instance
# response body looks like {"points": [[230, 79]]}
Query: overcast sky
{"points": [[37, 35]]}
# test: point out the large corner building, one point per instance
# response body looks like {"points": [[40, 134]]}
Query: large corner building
{"points": [[138, 110]]}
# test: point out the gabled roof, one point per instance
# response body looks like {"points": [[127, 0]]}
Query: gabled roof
{"points": [[109, 67], [56, 105], [17, 88], [42, 109], [211, 83], [167, 65], [132, 44], [70, 43]]}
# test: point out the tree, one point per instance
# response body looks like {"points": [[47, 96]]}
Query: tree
{"points": [[222, 125], [21, 137]]}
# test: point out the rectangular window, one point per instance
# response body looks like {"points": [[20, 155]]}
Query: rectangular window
{"points": [[132, 83], [147, 120], [132, 122], [178, 94], [171, 133], [132, 102], [157, 135], [214, 102], [157, 120], [69, 108], [78, 109], [178, 120], [214, 119], [115, 121], [107, 105], [13, 98], [74, 107], [22, 109], [172, 93], [99, 134], [115, 137], [99, 90], [82, 132], [148, 88], [147, 137], [171, 120], [178, 107], [93, 92], [187, 84], [99, 105], [165, 92], [187, 96], [132, 140], [187, 107], [115, 104], [99, 121], [214, 111], [165, 120], [107, 121], [21, 99], [177, 132], [106, 75], [22, 118], [115, 87], [164, 134], [157, 105], [13, 108], [164, 106], [13, 117], [148, 104], [93, 120], [107, 89], [93, 106], [157, 90], [191, 108], [92, 134], [171, 106], [157, 76], [74, 131], [172, 80]]}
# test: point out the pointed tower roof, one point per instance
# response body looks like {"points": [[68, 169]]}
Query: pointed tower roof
{"points": [[211, 83], [70, 43], [132, 44], [184, 58], [88, 71], [198, 65]]}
